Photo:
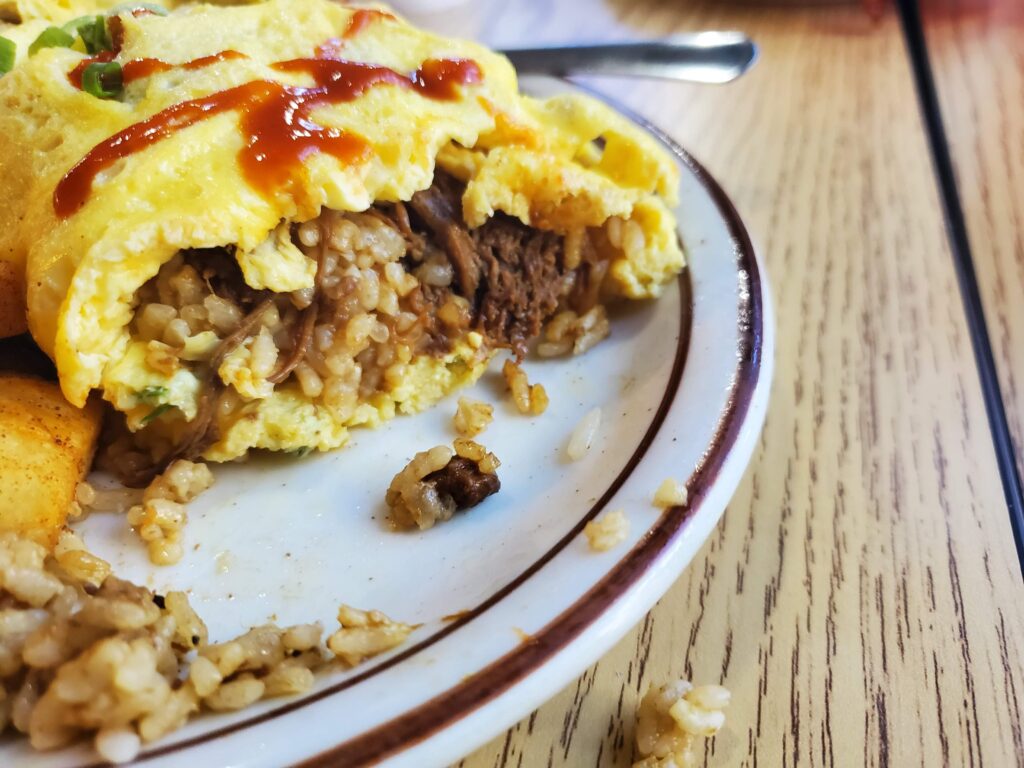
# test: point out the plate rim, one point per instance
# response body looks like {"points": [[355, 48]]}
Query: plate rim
{"points": [[391, 738], [420, 724]]}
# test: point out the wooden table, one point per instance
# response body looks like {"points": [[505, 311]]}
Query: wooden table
{"points": [[862, 597], [978, 55]]}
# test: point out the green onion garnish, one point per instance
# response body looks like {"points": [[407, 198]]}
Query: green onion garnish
{"points": [[95, 35], [103, 80], [152, 395], [159, 10], [8, 50], [156, 412], [51, 37], [301, 452], [74, 25]]}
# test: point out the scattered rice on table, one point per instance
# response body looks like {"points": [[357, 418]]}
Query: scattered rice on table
{"points": [[672, 718], [472, 417], [529, 399], [85, 653], [607, 531], [671, 494]]}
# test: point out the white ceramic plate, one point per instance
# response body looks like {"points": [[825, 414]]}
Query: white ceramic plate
{"points": [[288, 540]]}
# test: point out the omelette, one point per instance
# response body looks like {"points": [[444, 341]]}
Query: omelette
{"points": [[258, 226]]}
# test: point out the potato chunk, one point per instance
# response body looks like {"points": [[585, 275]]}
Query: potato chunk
{"points": [[46, 447]]}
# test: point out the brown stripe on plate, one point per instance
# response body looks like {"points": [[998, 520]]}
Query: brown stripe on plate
{"points": [[448, 707], [452, 705], [682, 345]]}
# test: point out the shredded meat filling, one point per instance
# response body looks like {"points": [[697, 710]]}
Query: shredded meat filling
{"points": [[506, 280], [463, 481], [220, 272], [440, 210], [524, 280], [513, 276]]}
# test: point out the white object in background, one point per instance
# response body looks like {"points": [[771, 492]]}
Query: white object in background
{"points": [[412, 7], [454, 18]]}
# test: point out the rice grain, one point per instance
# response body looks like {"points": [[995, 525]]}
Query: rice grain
{"points": [[583, 436], [672, 718], [607, 531], [671, 494]]}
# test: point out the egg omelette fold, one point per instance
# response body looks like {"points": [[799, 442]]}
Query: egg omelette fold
{"points": [[258, 226]]}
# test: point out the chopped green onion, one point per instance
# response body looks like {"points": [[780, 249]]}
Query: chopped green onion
{"points": [[159, 10], [51, 37], [8, 50], [301, 452], [152, 395], [103, 80], [74, 25], [156, 412], [95, 35]]}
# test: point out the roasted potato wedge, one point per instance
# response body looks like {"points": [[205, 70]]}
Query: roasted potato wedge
{"points": [[46, 447]]}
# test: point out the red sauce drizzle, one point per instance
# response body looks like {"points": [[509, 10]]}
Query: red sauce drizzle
{"points": [[136, 69], [75, 75], [438, 78], [116, 26], [361, 19], [205, 61], [275, 120]]}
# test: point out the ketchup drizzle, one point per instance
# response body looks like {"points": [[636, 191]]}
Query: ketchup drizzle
{"points": [[275, 121], [136, 69], [359, 20], [75, 75]]}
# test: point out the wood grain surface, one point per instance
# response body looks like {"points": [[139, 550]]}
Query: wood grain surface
{"points": [[861, 597], [978, 58]]}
